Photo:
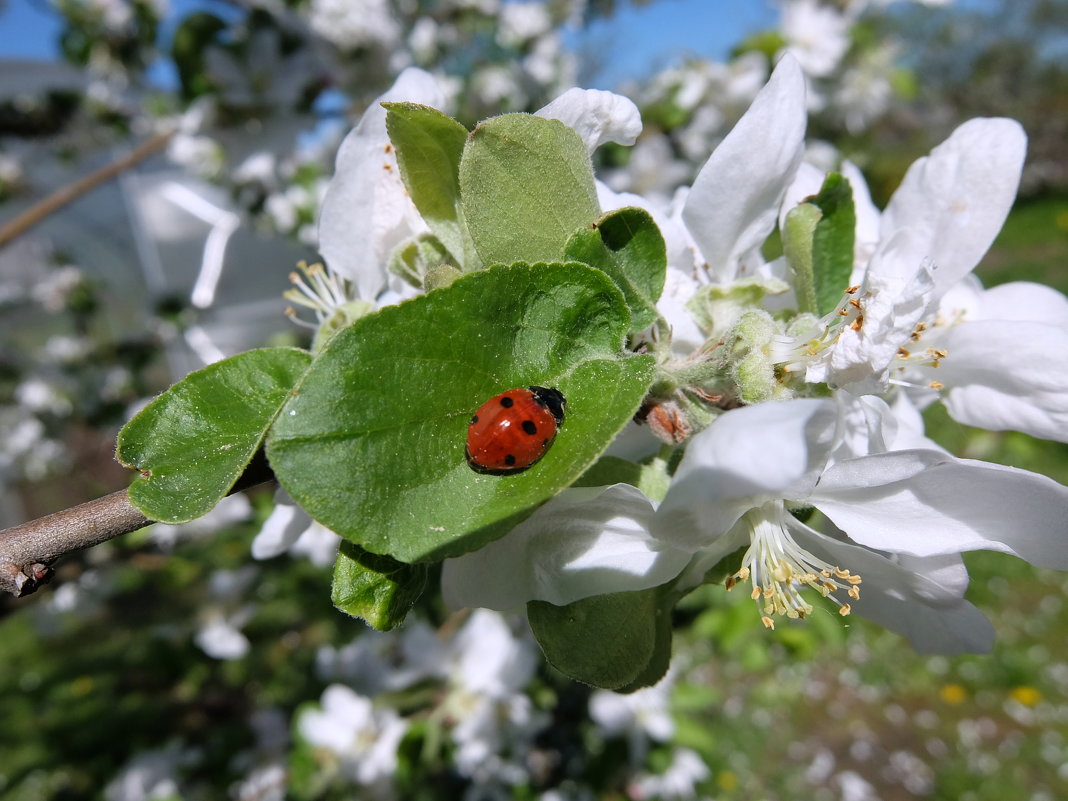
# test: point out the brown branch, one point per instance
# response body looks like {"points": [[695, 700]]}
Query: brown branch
{"points": [[64, 195], [27, 551]]}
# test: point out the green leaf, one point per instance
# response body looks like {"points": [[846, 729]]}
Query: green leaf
{"points": [[193, 442], [371, 444], [620, 641], [627, 245], [798, 230], [833, 242], [526, 184], [429, 145], [376, 588]]}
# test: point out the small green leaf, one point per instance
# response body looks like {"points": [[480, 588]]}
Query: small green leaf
{"points": [[833, 242], [620, 641], [628, 245], [371, 443], [429, 145], [798, 230], [526, 184], [193, 442], [378, 589]]}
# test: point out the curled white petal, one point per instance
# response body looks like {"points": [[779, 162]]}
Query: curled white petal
{"points": [[748, 456], [921, 599], [926, 503], [598, 116], [1007, 375]]}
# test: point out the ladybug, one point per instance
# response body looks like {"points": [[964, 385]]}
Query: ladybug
{"points": [[513, 430]]}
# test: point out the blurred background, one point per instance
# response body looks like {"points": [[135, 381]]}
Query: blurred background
{"points": [[169, 665]]}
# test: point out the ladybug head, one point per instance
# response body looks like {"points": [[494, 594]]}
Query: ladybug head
{"points": [[551, 399]]}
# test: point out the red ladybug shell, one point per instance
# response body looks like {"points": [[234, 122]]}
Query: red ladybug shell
{"points": [[511, 431]]}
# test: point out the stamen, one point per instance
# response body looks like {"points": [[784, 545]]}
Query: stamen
{"points": [[317, 288], [780, 570]]}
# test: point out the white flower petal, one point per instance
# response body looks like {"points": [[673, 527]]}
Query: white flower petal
{"points": [[366, 211], [735, 198], [583, 542], [807, 182], [957, 198], [919, 599], [925, 503], [895, 295], [1007, 376], [867, 218], [596, 115], [1023, 300], [280, 530], [746, 457]]}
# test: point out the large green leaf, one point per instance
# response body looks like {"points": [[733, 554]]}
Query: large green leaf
{"points": [[371, 443], [192, 442], [526, 184], [429, 145], [376, 588], [628, 245]]}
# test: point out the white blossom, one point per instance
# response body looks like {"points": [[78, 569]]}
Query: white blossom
{"points": [[367, 210], [362, 737], [350, 24]]}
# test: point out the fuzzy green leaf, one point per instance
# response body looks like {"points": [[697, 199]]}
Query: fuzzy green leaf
{"points": [[376, 588], [620, 641], [429, 145], [193, 442], [372, 442], [627, 245], [833, 242], [526, 184]]}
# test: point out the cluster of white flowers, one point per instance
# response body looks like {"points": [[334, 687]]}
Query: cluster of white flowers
{"points": [[829, 407], [482, 670]]}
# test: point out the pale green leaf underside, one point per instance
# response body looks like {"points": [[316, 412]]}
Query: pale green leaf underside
{"points": [[526, 185], [375, 588]]}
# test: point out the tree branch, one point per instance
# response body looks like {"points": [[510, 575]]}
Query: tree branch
{"points": [[64, 195], [27, 551]]}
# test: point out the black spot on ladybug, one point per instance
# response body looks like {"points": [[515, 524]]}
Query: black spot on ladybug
{"points": [[529, 427], [507, 402], [474, 419], [509, 459]]}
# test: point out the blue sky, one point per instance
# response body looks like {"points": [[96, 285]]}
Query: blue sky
{"points": [[634, 41]]}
